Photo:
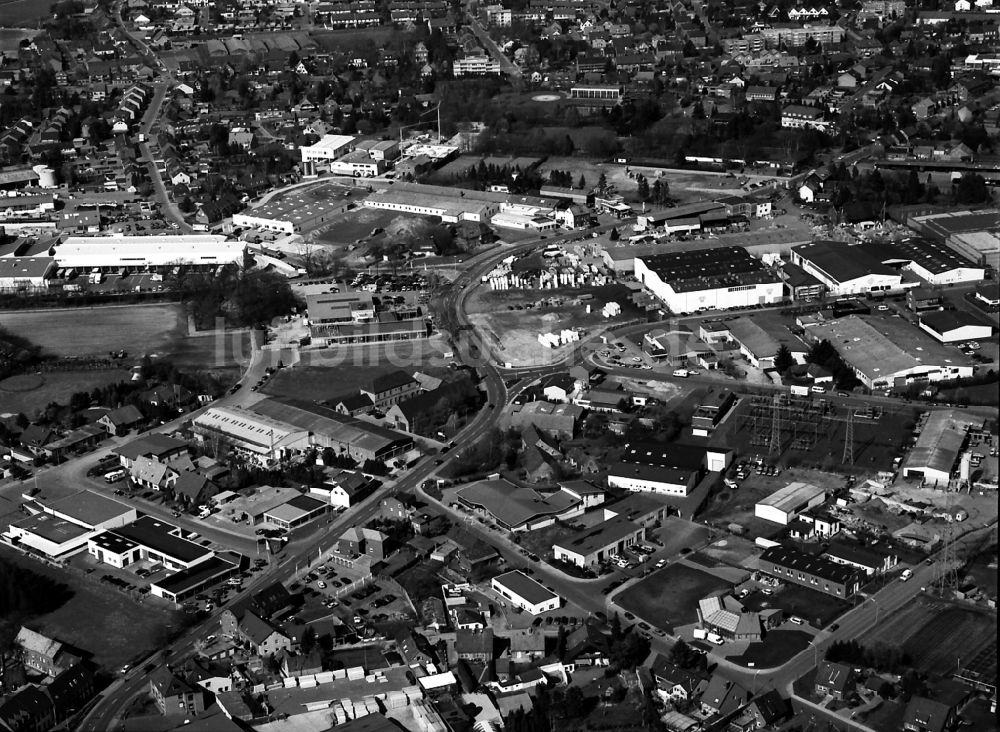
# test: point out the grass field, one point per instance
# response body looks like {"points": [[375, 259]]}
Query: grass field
{"points": [[159, 331], [777, 648], [23, 12], [17, 394], [102, 621], [95, 331], [670, 597]]}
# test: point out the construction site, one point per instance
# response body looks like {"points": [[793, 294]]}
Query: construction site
{"points": [[790, 431]]}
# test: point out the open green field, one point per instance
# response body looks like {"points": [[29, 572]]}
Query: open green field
{"points": [[23, 12], [777, 648], [10, 38], [100, 620], [159, 331], [95, 331], [28, 393], [670, 596]]}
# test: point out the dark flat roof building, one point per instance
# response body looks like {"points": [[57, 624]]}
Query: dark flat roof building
{"points": [[818, 573], [702, 269]]}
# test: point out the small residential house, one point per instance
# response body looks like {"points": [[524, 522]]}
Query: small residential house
{"points": [[174, 695], [119, 421], [834, 679], [723, 697]]}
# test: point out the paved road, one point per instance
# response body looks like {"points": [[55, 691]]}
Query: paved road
{"points": [[506, 65]]}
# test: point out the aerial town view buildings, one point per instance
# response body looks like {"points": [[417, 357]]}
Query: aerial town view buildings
{"points": [[557, 366]]}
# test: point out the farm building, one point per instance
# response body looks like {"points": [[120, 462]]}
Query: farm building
{"points": [[844, 269], [786, 503], [708, 279], [881, 351], [523, 592], [159, 253]]}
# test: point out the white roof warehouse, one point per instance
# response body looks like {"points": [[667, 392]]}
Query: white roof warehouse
{"points": [[142, 252]]}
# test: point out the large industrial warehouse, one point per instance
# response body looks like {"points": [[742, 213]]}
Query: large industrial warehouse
{"points": [[881, 351], [782, 506], [146, 253], [708, 279], [936, 454], [845, 269], [276, 429]]}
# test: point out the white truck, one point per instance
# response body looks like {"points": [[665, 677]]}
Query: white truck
{"points": [[700, 633], [907, 573], [715, 638], [798, 390], [681, 373], [96, 277]]}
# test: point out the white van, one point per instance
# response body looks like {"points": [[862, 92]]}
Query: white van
{"points": [[907, 573]]}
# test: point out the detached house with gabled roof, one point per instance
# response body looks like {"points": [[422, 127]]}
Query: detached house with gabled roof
{"points": [[119, 421], [927, 715], [193, 488], [675, 683], [263, 638], [174, 695], [148, 473], [723, 697], [834, 679]]}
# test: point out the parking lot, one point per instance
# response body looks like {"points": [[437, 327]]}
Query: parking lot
{"points": [[332, 590]]}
